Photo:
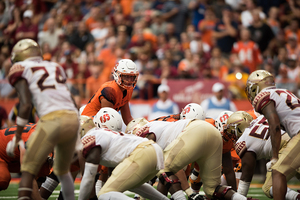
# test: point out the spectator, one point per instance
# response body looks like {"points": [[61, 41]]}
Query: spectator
{"points": [[246, 15], [95, 80], [225, 32], [94, 15], [171, 31], [206, 27], [272, 20], [293, 28], [108, 57], [237, 80], [3, 118], [123, 39], [27, 29], [139, 9], [4, 17], [198, 8], [13, 24], [158, 26], [46, 51], [292, 47], [261, 34], [281, 58], [217, 103], [51, 36], [6, 90], [166, 70], [175, 12], [164, 106], [247, 51], [186, 67], [218, 63], [284, 81], [81, 37]]}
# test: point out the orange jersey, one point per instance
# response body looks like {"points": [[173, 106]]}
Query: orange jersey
{"points": [[112, 93], [170, 118], [248, 53], [6, 135]]}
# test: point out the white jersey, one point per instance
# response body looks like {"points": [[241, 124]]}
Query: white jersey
{"points": [[287, 106], [115, 146], [166, 132], [256, 138], [46, 81]]}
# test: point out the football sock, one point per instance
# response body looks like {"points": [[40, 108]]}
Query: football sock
{"points": [[114, 196], [149, 192], [179, 195], [67, 186]]}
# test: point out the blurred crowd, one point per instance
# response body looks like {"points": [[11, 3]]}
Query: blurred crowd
{"points": [[175, 39]]}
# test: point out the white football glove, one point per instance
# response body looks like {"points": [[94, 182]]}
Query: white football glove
{"points": [[11, 146], [270, 164]]}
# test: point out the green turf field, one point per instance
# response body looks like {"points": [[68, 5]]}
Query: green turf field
{"points": [[11, 193]]}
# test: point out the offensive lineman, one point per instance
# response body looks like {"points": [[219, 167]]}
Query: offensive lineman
{"points": [[44, 83]]}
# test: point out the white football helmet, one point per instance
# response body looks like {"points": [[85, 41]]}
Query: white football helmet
{"points": [[86, 124], [108, 118], [192, 111], [221, 120], [134, 125], [126, 74], [24, 49]]}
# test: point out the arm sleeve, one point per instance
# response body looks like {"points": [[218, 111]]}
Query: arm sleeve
{"points": [[88, 180]]}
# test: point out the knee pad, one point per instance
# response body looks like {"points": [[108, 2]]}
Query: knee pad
{"points": [[221, 194], [165, 180]]}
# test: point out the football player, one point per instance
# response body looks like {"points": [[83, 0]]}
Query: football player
{"points": [[282, 109], [254, 143], [44, 83], [51, 182], [136, 160], [12, 164], [184, 142], [115, 94]]}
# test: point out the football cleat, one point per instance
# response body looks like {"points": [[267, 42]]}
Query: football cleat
{"points": [[126, 74], [237, 123], [24, 49], [257, 81], [196, 196], [108, 118], [192, 111]]}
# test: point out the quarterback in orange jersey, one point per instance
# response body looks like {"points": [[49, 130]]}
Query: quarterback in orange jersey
{"points": [[282, 109], [115, 94], [12, 164]]}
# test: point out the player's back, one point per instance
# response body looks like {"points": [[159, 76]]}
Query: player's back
{"points": [[46, 81], [256, 138], [287, 106], [115, 146]]}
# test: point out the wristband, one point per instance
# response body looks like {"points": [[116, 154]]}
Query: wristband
{"points": [[243, 188], [21, 122]]}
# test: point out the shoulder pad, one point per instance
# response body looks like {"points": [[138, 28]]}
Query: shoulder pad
{"points": [[15, 73], [261, 100], [240, 148]]}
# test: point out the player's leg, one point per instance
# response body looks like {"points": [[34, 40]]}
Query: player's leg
{"points": [[64, 149], [4, 175], [133, 171], [288, 162], [39, 146], [114, 196]]}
